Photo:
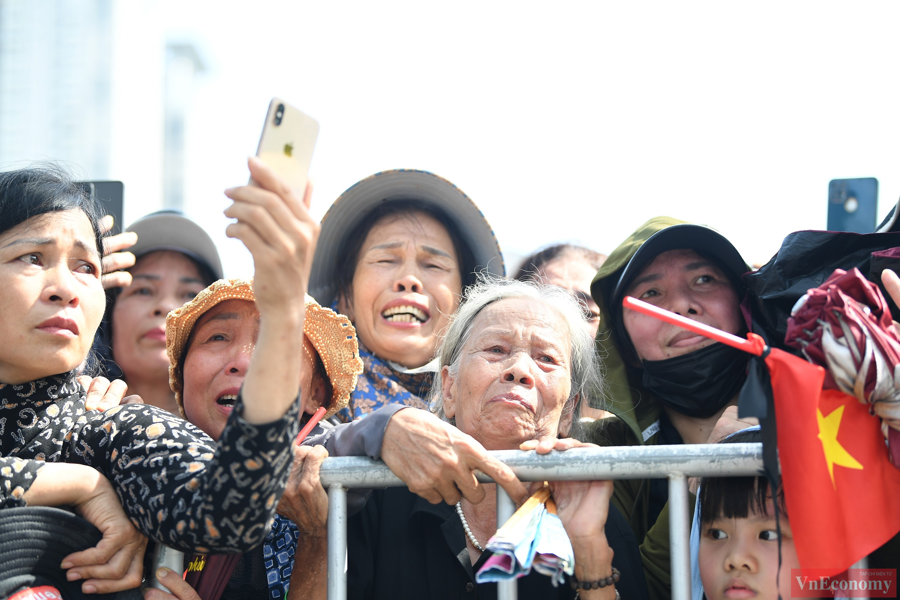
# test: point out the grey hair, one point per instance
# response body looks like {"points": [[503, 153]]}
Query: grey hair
{"points": [[586, 380]]}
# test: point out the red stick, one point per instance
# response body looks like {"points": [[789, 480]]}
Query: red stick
{"points": [[754, 345], [317, 416]]}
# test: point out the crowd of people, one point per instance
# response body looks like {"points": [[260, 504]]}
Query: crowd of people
{"points": [[161, 402]]}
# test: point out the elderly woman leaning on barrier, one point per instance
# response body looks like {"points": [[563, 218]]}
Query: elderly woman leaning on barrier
{"points": [[175, 484], [514, 365]]}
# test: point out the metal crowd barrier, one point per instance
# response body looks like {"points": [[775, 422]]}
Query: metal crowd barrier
{"points": [[675, 463]]}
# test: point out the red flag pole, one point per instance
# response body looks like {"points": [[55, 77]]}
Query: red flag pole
{"points": [[317, 416], [754, 345]]}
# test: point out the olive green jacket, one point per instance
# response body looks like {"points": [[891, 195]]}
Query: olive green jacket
{"points": [[636, 419]]}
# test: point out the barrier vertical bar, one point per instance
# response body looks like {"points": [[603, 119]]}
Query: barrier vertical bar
{"points": [[862, 563], [506, 590], [679, 537], [337, 542]]}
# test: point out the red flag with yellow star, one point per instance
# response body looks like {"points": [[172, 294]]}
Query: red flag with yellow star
{"points": [[842, 492]]}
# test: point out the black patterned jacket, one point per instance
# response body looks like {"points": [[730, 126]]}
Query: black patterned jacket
{"points": [[176, 484]]}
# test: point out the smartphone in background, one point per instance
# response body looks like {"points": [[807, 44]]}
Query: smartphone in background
{"points": [[110, 196], [287, 143], [853, 204]]}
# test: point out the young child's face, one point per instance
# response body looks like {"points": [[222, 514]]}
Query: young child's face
{"points": [[739, 557]]}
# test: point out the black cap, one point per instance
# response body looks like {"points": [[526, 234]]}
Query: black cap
{"points": [[687, 236], [33, 543]]}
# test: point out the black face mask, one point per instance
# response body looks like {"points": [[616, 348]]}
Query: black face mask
{"points": [[698, 384]]}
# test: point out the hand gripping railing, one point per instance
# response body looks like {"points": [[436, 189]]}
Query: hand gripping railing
{"points": [[676, 463]]}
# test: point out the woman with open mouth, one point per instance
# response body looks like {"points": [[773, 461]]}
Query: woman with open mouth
{"points": [[395, 253]]}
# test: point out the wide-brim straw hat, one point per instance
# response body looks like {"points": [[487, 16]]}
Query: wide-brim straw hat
{"points": [[356, 204], [331, 334]]}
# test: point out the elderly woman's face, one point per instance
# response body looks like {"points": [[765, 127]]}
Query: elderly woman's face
{"points": [[514, 375], [222, 344], [51, 298], [683, 282], [406, 285]]}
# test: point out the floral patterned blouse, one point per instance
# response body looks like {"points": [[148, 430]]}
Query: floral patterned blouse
{"points": [[176, 484], [380, 384]]}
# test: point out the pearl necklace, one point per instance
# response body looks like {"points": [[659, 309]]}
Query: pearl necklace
{"points": [[465, 525]]}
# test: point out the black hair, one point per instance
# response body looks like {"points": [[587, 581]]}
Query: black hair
{"points": [[534, 264], [348, 256], [736, 497], [43, 190], [36, 191]]}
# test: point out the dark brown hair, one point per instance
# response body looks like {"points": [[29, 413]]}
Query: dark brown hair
{"points": [[28, 193], [534, 264]]}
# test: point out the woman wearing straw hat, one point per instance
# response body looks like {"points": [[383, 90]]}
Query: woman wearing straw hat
{"points": [[211, 341], [395, 253]]}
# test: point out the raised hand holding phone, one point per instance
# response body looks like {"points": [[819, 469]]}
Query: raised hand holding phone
{"points": [[287, 142], [273, 222], [276, 227]]}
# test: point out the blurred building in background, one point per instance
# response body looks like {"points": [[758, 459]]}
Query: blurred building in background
{"points": [[56, 84], [183, 66], [96, 86]]}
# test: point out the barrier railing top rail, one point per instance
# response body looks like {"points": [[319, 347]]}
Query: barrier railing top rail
{"points": [[676, 463], [621, 462]]}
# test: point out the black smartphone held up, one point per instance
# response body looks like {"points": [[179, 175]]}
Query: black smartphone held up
{"points": [[853, 204], [110, 196]]}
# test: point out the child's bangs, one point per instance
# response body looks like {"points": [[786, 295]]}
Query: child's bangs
{"points": [[733, 498], [737, 497]]}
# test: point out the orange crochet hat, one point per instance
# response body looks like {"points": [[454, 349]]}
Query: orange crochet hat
{"points": [[331, 334]]}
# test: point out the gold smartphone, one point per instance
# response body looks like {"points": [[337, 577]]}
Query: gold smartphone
{"points": [[287, 143]]}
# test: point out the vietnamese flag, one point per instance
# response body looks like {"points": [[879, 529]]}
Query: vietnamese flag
{"points": [[842, 492]]}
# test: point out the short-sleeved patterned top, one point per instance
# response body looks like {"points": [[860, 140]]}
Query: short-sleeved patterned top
{"points": [[176, 484]]}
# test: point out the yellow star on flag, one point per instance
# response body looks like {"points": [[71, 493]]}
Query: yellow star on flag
{"points": [[835, 454]]}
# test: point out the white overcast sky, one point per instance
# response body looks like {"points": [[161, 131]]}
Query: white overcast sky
{"points": [[572, 121]]}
